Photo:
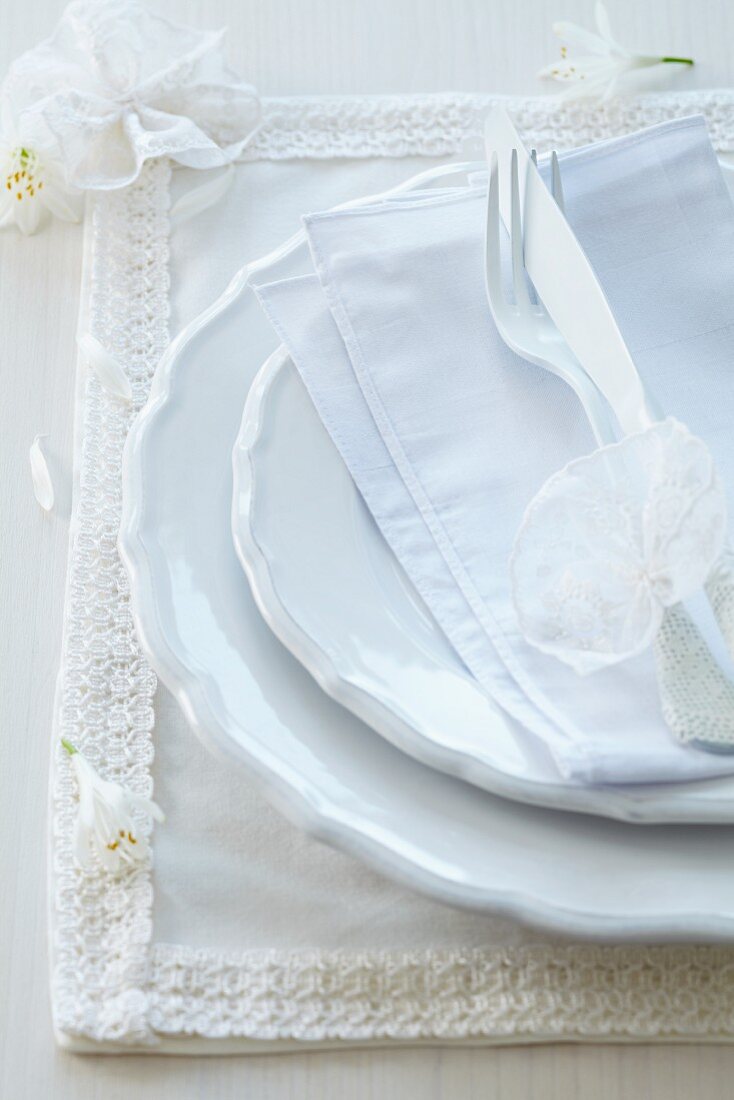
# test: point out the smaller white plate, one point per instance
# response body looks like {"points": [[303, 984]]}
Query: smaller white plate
{"points": [[332, 591]]}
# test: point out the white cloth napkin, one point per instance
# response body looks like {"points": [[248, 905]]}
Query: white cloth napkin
{"points": [[449, 435]]}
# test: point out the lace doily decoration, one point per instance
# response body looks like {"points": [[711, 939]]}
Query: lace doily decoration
{"points": [[116, 85], [614, 539]]}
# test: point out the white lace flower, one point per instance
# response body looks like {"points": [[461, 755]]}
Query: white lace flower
{"points": [[601, 65], [32, 186], [117, 84], [106, 822], [614, 539]]}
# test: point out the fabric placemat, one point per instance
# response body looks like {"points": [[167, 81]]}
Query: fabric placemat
{"points": [[248, 935]]}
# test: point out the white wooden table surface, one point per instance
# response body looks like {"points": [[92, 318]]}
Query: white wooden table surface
{"points": [[283, 47]]}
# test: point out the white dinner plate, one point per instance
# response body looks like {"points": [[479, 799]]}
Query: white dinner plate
{"points": [[246, 696], [332, 590]]}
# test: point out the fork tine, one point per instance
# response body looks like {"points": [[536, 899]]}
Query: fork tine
{"points": [[556, 184], [534, 299], [493, 271], [519, 286]]}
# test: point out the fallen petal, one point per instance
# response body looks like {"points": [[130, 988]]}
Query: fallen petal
{"points": [[42, 484], [108, 370]]}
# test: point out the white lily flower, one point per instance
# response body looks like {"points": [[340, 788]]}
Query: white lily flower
{"points": [[106, 819], [602, 65], [32, 182]]}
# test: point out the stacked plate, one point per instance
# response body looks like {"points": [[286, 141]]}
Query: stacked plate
{"points": [[269, 603]]}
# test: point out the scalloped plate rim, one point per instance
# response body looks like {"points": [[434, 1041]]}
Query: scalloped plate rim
{"points": [[647, 804]]}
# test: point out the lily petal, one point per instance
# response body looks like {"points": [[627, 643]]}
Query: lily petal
{"points": [[58, 204], [148, 806], [602, 22], [579, 38], [82, 847], [28, 214], [593, 86], [611, 88]]}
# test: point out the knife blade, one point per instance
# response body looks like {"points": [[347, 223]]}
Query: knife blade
{"points": [[566, 282]]}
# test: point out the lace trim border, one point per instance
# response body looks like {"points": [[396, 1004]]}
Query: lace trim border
{"points": [[102, 927], [550, 991], [436, 125]]}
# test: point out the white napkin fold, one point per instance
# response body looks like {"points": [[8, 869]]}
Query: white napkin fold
{"points": [[449, 435]]}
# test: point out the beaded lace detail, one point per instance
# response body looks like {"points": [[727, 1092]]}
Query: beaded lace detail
{"points": [[111, 983]]}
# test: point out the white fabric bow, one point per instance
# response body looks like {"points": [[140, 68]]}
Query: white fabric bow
{"points": [[613, 540], [116, 84]]}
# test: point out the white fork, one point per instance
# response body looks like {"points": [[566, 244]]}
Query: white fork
{"points": [[524, 325], [697, 698]]}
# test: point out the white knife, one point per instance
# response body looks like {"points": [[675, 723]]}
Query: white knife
{"points": [[566, 282]]}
